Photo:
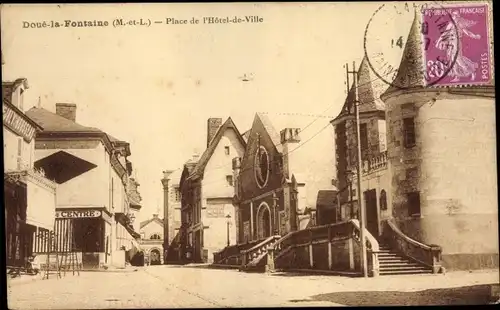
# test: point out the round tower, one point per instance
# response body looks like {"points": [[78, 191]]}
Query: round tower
{"points": [[442, 155]]}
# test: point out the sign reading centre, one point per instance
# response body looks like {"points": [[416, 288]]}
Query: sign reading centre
{"points": [[78, 214]]}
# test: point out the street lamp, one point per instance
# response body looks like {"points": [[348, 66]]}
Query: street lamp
{"points": [[228, 217]]}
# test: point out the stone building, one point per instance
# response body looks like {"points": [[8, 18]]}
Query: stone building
{"points": [[207, 190], [172, 208], [92, 171], [151, 231], [429, 156], [280, 175]]}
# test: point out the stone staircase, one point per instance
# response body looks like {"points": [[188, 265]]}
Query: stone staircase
{"points": [[394, 263]]}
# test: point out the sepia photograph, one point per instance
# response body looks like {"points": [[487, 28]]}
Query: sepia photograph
{"points": [[215, 155]]}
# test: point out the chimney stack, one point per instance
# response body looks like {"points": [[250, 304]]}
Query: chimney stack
{"points": [[213, 125], [66, 110]]}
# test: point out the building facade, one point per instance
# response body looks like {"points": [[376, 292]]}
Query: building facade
{"points": [[278, 178], [92, 173], [151, 241], [207, 190], [428, 162], [29, 197]]}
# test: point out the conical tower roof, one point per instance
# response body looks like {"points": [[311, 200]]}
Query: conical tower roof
{"points": [[410, 72], [370, 87]]}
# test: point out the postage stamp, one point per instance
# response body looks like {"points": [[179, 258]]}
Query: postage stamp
{"points": [[456, 45]]}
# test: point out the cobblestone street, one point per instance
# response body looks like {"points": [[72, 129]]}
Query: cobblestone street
{"points": [[175, 287]]}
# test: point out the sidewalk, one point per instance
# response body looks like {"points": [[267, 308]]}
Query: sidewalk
{"points": [[53, 276]]}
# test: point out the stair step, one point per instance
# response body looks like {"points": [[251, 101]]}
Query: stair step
{"points": [[394, 259], [386, 264], [396, 272], [399, 268]]}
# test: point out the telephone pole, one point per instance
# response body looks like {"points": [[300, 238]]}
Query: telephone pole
{"points": [[361, 200]]}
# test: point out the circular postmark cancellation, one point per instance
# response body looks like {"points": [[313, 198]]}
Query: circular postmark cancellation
{"points": [[447, 44]]}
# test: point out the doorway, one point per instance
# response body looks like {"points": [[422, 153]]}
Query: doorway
{"points": [[264, 221], [154, 257], [371, 212]]}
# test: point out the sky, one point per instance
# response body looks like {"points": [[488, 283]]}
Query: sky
{"points": [[156, 86]]}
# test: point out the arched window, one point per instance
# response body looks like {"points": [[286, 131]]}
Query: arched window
{"points": [[155, 236], [383, 200]]}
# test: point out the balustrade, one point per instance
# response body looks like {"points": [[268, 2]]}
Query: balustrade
{"points": [[429, 255], [375, 163]]}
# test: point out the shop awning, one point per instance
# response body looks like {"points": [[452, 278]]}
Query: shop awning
{"points": [[41, 198]]}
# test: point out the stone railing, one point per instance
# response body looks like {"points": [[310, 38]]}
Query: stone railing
{"points": [[429, 255], [329, 234], [253, 255], [231, 255], [377, 162]]}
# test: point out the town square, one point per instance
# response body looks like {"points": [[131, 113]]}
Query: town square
{"points": [[227, 155]]}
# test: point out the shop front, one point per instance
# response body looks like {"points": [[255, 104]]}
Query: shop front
{"points": [[85, 232]]}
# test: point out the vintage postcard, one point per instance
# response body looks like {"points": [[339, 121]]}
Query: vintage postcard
{"points": [[206, 155]]}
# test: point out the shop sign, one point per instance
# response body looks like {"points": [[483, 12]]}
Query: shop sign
{"points": [[78, 214], [17, 123]]}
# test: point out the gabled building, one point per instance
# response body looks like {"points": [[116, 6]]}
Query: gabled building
{"points": [[29, 196], [151, 231], [207, 190], [92, 171], [280, 174]]}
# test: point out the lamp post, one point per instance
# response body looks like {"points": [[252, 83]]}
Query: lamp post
{"points": [[228, 217], [349, 177]]}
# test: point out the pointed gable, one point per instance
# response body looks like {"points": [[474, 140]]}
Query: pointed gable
{"points": [[199, 169]]}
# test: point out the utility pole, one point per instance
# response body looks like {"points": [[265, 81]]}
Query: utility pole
{"points": [[361, 201]]}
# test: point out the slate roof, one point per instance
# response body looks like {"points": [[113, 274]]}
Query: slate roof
{"points": [[370, 87], [410, 73], [199, 169], [52, 122]]}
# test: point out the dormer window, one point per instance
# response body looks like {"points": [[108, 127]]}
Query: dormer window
{"points": [[21, 96], [227, 150]]}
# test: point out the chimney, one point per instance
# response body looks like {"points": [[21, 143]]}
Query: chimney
{"points": [[213, 125], [66, 110], [196, 157]]}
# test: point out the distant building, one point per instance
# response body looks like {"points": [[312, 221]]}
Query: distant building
{"points": [[151, 231], [174, 216], [207, 190]]}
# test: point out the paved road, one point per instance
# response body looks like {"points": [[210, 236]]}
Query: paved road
{"points": [[176, 287]]}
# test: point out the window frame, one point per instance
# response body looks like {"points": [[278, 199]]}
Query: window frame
{"points": [[363, 136], [411, 206], [409, 132]]}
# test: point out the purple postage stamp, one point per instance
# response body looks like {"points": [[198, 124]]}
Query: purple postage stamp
{"points": [[456, 45]]}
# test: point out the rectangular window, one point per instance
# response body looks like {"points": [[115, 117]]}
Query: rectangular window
{"points": [[414, 204], [409, 131], [227, 150], [177, 194], [229, 179], [363, 132]]}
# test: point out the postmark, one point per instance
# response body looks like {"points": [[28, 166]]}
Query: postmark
{"points": [[398, 30], [456, 45]]}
